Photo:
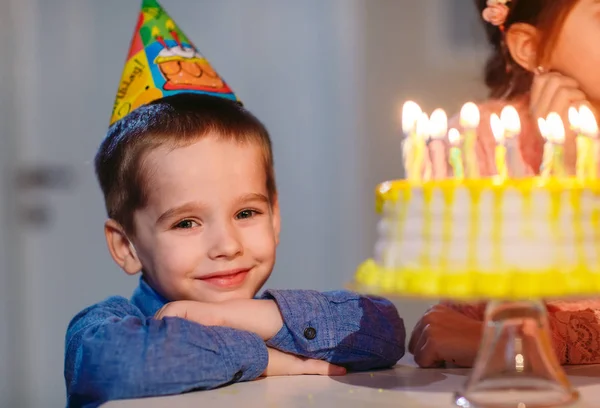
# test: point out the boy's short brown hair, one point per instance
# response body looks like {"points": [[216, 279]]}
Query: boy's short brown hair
{"points": [[174, 121]]}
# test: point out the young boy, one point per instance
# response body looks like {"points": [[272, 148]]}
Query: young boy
{"points": [[190, 192]]}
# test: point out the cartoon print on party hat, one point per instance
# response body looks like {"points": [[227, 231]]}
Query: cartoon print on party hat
{"points": [[162, 61]]}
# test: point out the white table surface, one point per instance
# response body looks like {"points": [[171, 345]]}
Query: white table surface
{"points": [[404, 386]]}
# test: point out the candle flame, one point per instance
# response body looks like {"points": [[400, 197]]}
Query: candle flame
{"points": [[438, 124], [587, 121], [454, 136], [497, 128], [423, 127], [385, 187], [155, 31], [469, 116], [544, 130], [556, 128], [574, 119], [510, 120], [410, 113], [170, 25]]}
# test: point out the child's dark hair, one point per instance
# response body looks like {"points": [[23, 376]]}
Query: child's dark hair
{"points": [[503, 76], [173, 121]]}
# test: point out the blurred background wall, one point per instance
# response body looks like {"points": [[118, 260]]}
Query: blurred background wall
{"points": [[327, 77]]}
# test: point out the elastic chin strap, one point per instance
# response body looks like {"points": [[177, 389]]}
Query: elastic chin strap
{"points": [[132, 248]]}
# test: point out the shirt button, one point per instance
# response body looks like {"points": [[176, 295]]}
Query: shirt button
{"points": [[310, 333], [238, 376]]}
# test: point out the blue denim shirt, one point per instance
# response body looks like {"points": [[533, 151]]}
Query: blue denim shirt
{"points": [[116, 349]]}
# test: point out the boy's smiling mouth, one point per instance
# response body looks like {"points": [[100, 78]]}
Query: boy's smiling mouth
{"points": [[229, 279]]}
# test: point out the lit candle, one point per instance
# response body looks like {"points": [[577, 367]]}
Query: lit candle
{"points": [[574, 119], [422, 134], [410, 113], [556, 129], [512, 127], [546, 167], [499, 133], [469, 121], [583, 144], [588, 127], [456, 160], [438, 126]]}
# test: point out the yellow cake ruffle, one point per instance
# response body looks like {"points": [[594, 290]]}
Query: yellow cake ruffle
{"points": [[470, 285]]}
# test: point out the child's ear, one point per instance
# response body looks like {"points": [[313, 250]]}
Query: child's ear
{"points": [[276, 218], [120, 248], [522, 41]]}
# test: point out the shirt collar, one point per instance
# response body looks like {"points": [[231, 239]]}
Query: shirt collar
{"points": [[147, 299]]}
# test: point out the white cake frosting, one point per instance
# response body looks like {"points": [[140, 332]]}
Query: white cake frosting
{"points": [[511, 231]]}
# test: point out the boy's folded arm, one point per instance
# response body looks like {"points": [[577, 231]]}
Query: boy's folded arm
{"points": [[114, 352], [343, 328]]}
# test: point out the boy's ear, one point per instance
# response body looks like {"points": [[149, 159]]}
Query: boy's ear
{"points": [[522, 41], [120, 248], [276, 218]]}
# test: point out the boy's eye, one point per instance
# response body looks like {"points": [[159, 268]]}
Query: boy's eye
{"points": [[246, 214], [186, 224]]}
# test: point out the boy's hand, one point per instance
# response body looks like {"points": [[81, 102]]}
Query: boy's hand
{"points": [[207, 314], [258, 316], [445, 335], [281, 364]]}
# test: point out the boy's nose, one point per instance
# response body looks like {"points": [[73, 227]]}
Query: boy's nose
{"points": [[225, 242]]}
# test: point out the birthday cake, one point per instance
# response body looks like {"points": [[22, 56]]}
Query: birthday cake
{"points": [[502, 237]]}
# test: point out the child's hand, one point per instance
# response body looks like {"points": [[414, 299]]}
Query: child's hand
{"points": [[281, 363], [207, 314], [554, 92], [445, 335]]}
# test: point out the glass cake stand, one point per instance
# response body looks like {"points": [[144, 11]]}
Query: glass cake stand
{"points": [[516, 366]]}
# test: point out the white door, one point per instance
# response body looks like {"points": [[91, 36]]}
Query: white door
{"points": [[8, 278], [65, 58], [293, 63]]}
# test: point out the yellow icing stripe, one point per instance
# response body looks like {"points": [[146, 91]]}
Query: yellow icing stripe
{"points": [[426, 251], [474, 223], [447, 229], [555, 199], [596, 229], [497, 220]]}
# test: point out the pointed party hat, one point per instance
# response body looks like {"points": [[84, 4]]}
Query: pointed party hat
{"points": [[162, 61]]}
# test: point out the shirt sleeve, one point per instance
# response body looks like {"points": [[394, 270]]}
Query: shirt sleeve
{"points": [[575, 333], [343, 328], [114, 352]]}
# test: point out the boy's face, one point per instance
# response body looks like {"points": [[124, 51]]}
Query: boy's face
{"points": [[208, 232]]}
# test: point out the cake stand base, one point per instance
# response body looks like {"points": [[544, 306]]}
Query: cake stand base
{"points": [[516, 366]]}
